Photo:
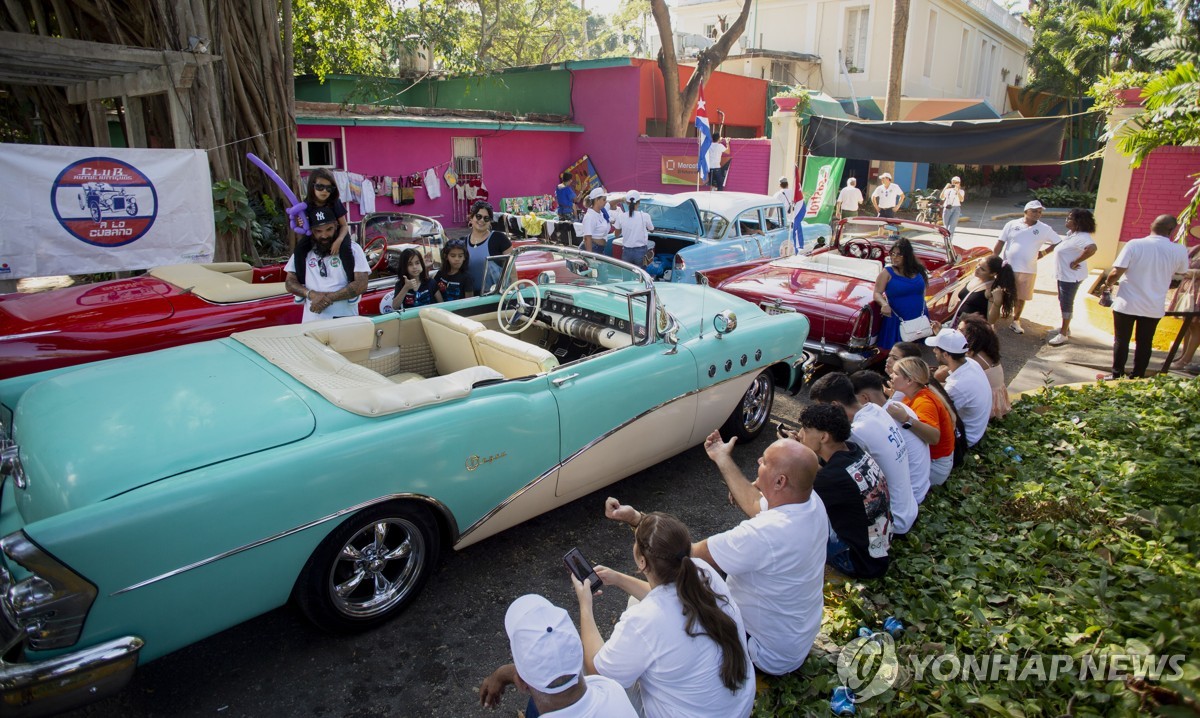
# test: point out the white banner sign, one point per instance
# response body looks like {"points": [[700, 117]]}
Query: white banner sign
{"points": [[79, 210]]}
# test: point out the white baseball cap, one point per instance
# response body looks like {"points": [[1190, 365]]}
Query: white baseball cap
{"points": [[545, 645], [597, 193], [956, 179], [949, 340], [783, 180], [885, 175], [633, 195], [1033, 204]]}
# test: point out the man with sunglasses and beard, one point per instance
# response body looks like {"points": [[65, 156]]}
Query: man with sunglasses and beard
{"points": [[329, 283]]}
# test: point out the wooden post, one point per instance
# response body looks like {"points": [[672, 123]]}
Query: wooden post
{"points": [[181, 126], [135, 122], [98, 119]]}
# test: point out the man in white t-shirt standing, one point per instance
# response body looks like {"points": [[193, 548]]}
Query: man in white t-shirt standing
{"points": [[879, 435], [548, 665], [848, 200], [716, 168], [967, 385], [784, 195], [775, 559], [952, 199], [1148, 265], [887, 197], [1022, 243], [324, 279]]}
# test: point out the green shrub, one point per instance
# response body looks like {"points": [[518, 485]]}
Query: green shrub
{"points": [[1065, 197], [1086, 547]]}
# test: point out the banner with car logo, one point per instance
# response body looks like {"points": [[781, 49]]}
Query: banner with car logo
{"points": [[81, 210]]}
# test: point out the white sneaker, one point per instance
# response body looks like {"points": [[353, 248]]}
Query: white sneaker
{"points": [[1059, 340], [1016, 327]]}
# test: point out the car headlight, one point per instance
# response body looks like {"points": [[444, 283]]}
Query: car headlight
{"points": [[52, 604]]}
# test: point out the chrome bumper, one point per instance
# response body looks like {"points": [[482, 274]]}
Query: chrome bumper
{"points": [[840, 357], [57, 684]]}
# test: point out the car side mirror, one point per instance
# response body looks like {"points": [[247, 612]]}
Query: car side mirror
{"points": [[671, 337], [724, 322]]}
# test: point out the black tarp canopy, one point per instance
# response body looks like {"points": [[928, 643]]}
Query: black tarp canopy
{"points": [[1019, 141]]}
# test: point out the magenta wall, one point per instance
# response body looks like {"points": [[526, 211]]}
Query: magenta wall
{"points": [[748, 167], [515, 163], [605, 103]]}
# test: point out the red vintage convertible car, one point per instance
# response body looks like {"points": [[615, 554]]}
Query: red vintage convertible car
{"points": [[184, 303], [833, 286]]}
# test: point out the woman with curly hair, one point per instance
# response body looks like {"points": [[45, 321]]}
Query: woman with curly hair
{"points": [[900, 292], [1070, 266], [682, 642]]}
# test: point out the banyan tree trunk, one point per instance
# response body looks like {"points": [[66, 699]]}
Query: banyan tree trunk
{"points": [[244, 103]]}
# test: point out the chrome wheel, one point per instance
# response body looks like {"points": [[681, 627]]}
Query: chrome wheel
{"points": [[369, 568], [753, 411], [377, 568]]}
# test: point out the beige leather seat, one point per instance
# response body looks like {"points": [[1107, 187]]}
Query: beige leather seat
{"points": [[510, 356], [450, 338]]}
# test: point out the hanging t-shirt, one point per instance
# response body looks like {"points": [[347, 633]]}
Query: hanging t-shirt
{"points": [[855, 495], [432, 187]]}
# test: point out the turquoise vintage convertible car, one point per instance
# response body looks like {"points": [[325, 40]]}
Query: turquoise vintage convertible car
{"points": [[153, 500]]}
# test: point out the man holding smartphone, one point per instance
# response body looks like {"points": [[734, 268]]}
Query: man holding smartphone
{"points": [[775, 559]]}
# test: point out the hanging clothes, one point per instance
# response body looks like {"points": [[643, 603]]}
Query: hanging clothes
{"points": [[395, 192], [431, 184], [451, 177], [367, 205], [356, 187], [342, 179]]}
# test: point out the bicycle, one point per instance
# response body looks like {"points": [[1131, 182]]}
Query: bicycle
{"points": [[929, 208]]}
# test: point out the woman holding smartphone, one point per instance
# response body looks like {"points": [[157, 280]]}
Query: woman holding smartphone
{"points": [[682, 641]]}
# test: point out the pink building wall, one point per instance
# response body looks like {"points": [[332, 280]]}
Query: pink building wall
{"points": [[605, 105], [515, 163], [749, 163], [1157, 187]]}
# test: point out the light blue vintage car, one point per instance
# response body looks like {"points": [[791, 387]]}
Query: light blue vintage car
{"points": [[153, 500], [705, 230]]}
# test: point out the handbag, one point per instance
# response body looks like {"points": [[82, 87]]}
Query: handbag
{"points": [[914, 329]]}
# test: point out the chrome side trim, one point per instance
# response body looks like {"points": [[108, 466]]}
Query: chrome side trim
{"points": [[517, 494], [454, 535], [27, 335]]}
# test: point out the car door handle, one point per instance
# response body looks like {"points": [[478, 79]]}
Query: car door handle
{"points": [[563, 379]]}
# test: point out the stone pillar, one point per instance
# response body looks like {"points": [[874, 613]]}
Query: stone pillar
{"points": [[785, 145], [1113, 192]]}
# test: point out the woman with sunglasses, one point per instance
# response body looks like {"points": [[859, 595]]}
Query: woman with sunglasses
{"points": [[482, 243], [900, 291]]}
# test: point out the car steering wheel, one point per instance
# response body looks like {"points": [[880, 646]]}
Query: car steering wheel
{"points": [[860, 248], [376, 251], [512, 324]]}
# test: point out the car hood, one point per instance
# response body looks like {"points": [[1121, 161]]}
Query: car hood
{"points": [[812, 292], [108, 428], [107, 306], [671, 214]]}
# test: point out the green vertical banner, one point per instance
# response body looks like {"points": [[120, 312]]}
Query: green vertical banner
{"points": [[822, 177]]}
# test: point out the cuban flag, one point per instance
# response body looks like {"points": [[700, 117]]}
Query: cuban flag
{"points": [[798, 218], [705, 134]]}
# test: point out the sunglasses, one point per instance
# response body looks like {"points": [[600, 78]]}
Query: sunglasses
{"points": [[322, 187], [321, 266], [484, 217], [456, 243]]}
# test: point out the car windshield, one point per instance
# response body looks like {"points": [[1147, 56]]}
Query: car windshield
{"points": [[925, 240], [399, 231], [565, 266]]}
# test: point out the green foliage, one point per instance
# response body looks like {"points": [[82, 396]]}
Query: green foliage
{"points": [[1064, 197], [231, 207], [972, 175], [269, 230], [1087, 547]]}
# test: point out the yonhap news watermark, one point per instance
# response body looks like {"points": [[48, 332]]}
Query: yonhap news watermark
{"points": [[869, 666]]}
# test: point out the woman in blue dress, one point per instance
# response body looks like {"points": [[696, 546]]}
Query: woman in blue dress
{"points": [[900, 291]]}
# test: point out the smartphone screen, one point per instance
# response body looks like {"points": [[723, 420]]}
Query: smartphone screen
{"points": [[582, 568]]}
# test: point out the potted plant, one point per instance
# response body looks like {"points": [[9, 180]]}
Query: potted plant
{"points": [[793, 99]]}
